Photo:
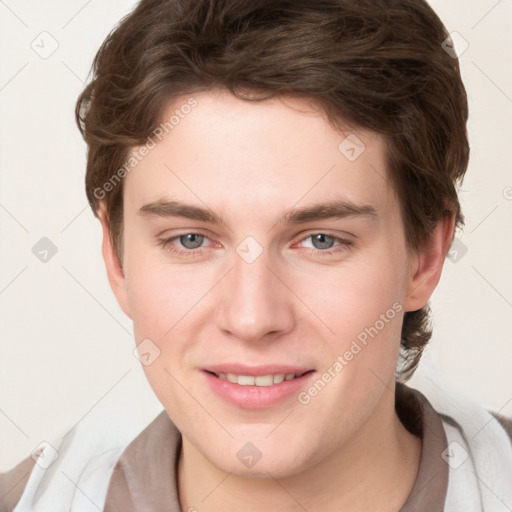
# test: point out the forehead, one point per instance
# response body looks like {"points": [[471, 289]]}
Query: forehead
{"points": [[251, 155]]}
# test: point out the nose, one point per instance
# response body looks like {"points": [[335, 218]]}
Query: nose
{"points": [[255, 303]]}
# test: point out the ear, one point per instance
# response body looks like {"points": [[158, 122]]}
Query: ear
{"points": [[113, 265], [427, 263]]}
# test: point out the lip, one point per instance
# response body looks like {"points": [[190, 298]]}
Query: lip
{"points": [[257, 397], [256, 371]]}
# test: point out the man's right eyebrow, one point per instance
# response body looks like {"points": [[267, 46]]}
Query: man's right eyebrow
{"points": [[178, 209]]}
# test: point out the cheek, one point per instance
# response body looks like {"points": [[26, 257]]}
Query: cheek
{"points": [[361, 305], [164, 298], [353, 296]]}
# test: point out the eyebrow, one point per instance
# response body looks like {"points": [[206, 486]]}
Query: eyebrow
{"points": [[337, 209]]}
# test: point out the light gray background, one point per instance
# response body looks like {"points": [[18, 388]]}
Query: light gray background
{"points": [[66, 347]]}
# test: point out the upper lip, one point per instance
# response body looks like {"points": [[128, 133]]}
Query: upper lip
{"points": [[256, 371]]}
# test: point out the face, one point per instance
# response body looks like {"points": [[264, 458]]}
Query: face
{"points": [[268, 319]]}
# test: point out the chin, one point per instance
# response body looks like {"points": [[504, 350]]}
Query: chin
{"points": [[258, 459], [266, 467]]}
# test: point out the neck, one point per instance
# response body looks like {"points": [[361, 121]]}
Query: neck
{"points": [[375, 470]]}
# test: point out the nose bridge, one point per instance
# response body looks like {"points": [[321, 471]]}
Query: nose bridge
{"points": [[254, 302]]}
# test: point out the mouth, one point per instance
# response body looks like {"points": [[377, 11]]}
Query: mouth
{"points": [[257, 387], [258, 380]]}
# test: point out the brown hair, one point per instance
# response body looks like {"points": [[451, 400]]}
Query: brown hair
{"points": [[377, 64]]}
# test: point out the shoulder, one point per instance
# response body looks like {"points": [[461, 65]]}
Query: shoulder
{"points": [[146, 472], [13, 483], [81, 456]]}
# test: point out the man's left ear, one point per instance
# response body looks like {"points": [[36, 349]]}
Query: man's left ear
{"points": [[427, 264]]}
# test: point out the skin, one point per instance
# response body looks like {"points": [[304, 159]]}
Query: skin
{"points": [[250, 161]]}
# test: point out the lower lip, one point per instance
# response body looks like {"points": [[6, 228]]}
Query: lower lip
{"points": [[257, 397]]}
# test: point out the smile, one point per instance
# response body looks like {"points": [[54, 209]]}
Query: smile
{"points": [[260, 380], [271, 386]]}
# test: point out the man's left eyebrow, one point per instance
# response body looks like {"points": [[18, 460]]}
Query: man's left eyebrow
{"points": [[337, 209]]}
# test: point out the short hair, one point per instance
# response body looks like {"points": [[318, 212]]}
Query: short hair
{"points": [[375, 64]]}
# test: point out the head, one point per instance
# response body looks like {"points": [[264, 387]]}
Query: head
{"points": [[255, 112]]}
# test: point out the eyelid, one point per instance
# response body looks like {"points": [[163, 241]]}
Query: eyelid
{"points": [[213, 242], [345, 235], [166, 235]]}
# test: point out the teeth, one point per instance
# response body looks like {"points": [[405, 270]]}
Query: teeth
{"points": [[261, 380], [246, 380], [278, 378]]}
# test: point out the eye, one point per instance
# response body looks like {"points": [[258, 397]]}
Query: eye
{"points": [[192, 243], [324, 244], [191, 240], [321, 241]]}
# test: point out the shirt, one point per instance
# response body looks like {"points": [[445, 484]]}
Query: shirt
{"points": [[145, 476]]}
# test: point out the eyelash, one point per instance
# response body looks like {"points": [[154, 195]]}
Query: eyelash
{"points": [[192, 253]]}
